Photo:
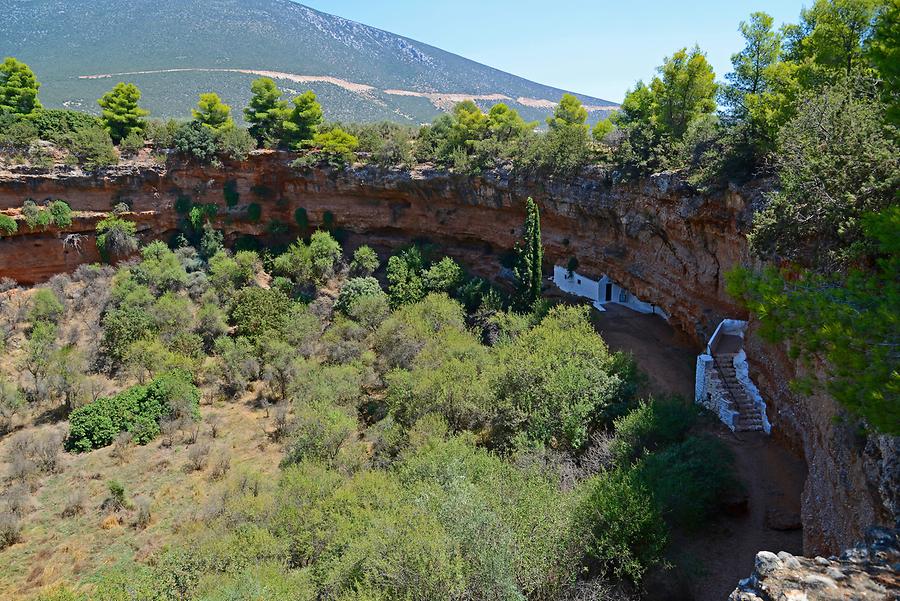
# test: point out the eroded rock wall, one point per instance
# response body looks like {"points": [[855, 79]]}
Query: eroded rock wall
{"points": [[664, 242]]}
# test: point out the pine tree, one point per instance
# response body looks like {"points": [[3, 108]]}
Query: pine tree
{"points": [[528, 271], [266, 111], [121, 114], [18, 88], [212, 112], [303, 121]]}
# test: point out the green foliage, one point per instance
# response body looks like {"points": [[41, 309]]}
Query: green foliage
{"points": [[116, 237], [160, 269], [685, 90], [92, 148], [310, 263], [121, 114], [302, 121], [849, 320], [404, 276], [355, 289], [883, 51], [45, 306], [529, 265], [266, 111], [132, 144], [18, 88], [321, 432], [815, 217], [234, 142], [336, 145], [196, 141], [568, 112], [555, 381], [35, 216], [444, 276], [8, 225], [256, 311], [136, 410], [651, 425], [60, 213], [212, 113], [627, 533], [58, 125], [689, 479], [365, 261]]}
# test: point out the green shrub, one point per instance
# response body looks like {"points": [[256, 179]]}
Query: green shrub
{"points": [[35, 216], [234, 142], [136, 410], [8, 225], [653, 424], [183, 204], [92, 147], [60, 213], [116, 237], [59, 125], [626, 532], [556, 381], [45, 306], [365, 261], [255, 311], [195, 141], [355, 289], [689, 479], [132, 144]]}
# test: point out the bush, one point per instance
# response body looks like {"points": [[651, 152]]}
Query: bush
{"points": [[59, 125], [132, 144], [653, 424], [10, 530], [556, 381], [195, 141], [60, 213], [365, 261], [688, 480], [235, 142], [116, 237], [34, 215], [137, 410], [355, 289], [626, 532], [45, 306], [8, 225], [92, 147]]}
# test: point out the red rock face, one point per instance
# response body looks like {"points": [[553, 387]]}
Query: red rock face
{"points": [[666, 243], [660, 240]]}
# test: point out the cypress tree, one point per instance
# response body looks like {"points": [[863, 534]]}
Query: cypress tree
{"points": [[531, 256]]}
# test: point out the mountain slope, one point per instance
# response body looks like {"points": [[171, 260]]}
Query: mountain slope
{"points": [[175, 49]]}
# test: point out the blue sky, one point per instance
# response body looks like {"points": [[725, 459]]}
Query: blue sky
{"points": [[595, 47]]}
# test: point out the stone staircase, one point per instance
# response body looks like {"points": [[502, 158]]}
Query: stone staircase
{"points": [[748, 419]]}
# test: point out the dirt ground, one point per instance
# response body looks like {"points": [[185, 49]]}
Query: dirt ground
{"points": [[717, 558]]}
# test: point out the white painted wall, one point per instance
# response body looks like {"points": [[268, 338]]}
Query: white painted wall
{"points": [[706, 386], [579, 285]]}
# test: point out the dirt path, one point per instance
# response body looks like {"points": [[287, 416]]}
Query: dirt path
{"points": [[717, 558]]}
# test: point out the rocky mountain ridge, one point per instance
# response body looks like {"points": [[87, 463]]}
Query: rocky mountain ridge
{"points": [[175, 49]]}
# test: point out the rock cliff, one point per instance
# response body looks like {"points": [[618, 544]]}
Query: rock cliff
{"points": [[657, 237]]}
